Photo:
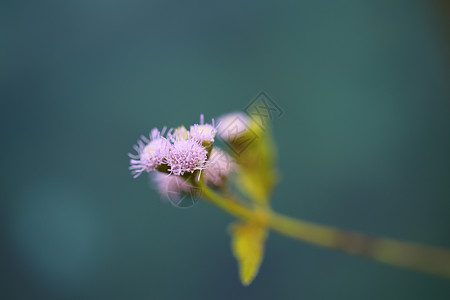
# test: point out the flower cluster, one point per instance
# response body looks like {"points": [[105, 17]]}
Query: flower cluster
{"points": [[151, 152], [179, 153]]}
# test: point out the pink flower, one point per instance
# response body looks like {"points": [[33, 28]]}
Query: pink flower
{"points": [[151, 153], [220, 167], [204, 133], [233, 125], [186, 155], [172, 188]]}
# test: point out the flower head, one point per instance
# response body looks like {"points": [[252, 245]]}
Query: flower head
{"points": [[173, 188], [186, 155], [233, 125], [151, 153], [202, 132], [179, 133], [220, 167]]}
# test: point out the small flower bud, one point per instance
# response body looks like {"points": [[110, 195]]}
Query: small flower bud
{"points": [[221, 164], [238, 131], [179, 133], [203, 133], [233, 125], [174, 188]]}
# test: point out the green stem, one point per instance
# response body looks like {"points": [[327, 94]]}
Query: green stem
{"points": [[426, 259], [422, 258]]}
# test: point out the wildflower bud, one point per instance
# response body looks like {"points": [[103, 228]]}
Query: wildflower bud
{"points": [[179, 133], [233, 125], [238, 131], [151, 153], [221, 164], [203, 133], [174, 188]]}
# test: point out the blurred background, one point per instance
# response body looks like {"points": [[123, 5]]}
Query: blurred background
{"points": [[363, 142]]}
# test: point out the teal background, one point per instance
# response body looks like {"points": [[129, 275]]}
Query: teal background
{"points": [[363, 142]]}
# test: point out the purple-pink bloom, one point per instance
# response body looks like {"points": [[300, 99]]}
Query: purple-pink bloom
{"points": [[186, 155], [221, 164], [233, 125], [170, 187], [202, 132], [151, 153]]}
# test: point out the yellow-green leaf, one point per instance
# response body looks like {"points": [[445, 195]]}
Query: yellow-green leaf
{"points": [[247, 243]]}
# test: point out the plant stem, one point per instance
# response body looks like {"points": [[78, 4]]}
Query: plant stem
{"points": [[421, 258]]}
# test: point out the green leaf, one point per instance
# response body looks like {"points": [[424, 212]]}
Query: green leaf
{"points": [[247, 243]]}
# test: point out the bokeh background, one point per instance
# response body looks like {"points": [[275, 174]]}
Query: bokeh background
{"points": [[364, 142]]}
